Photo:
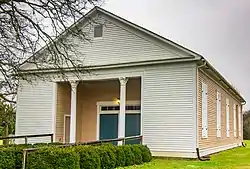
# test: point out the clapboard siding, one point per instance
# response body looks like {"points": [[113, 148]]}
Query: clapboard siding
{"points": [[169, 108], [212, 140], [119, 44], [34, 110]]}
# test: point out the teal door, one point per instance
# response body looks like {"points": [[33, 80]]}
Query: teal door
{"points": [[133, 127], [108, 126]]}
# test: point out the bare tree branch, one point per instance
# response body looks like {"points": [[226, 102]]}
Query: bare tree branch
{"points": [[26, 25]]}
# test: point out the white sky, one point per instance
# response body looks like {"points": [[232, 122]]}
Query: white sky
{"points": [[217, 29]]}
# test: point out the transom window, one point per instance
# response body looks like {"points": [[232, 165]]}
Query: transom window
{"points": [[98, 31], [110, 108]]}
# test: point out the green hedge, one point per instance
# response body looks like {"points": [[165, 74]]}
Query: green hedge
{"points": [[120, 156], [53, 157], [105, 156], [89, 157], [11, 156], [8, 158]]}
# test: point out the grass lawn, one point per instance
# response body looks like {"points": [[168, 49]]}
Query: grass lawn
{"points": [[236, 158]]}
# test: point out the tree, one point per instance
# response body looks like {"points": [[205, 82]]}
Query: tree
{"points": [[246, 125], [7, 118], [26, 26]]}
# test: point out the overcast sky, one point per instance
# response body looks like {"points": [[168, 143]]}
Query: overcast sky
{"points": [[217, 29]]}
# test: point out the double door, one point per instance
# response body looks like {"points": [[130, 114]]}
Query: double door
{"points": [[108, 122]]}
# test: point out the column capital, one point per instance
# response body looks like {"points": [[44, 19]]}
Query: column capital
{"points": [[73, 84], [123, 80]]}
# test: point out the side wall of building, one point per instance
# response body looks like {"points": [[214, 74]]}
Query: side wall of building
{"points": [[34, 110], [169, 110], [213, 143], [168, 106]]}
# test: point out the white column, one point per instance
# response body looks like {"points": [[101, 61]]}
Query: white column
{"points": [[121, 119], [54, 103], [73, 111]]}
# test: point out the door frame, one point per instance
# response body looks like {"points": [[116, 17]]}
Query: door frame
{"points": [[113, 103], [64, 126]]}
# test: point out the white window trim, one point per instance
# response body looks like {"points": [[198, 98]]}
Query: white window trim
{"points": [[113, 103], [64, 127], [102, 32]]}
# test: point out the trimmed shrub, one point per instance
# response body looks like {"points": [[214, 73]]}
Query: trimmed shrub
{"points": [[17, 151], [52, 157], [107, 156], [130, 157], [89, 158], [136, 150], [146, 154], [120, 156], [19, 154], [8, 158]]}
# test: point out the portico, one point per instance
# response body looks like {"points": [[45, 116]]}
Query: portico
{"points": [[98, 109]]}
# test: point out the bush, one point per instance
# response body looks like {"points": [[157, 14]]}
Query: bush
{"points": [[53, 157], [136, 150], [107, 156], [19, 154], [8, 158], [89, 158], [146, 154], [130, 157], [120, 156], [46, 144]]}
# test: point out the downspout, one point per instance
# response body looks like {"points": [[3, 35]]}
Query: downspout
{"points": [[197, 149], [207, 158], [242, 104]]}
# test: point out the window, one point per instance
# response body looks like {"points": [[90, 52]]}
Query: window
{"points": [[98, 30], [110, 108]]}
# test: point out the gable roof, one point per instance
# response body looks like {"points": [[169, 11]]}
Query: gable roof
{"points": [[96, 10]]}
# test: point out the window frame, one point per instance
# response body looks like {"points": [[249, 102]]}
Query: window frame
{"points": [[102, 31]]}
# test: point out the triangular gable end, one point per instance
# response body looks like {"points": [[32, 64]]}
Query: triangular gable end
{"points": [[122, 42]]}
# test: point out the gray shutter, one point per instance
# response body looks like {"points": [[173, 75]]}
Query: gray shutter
{"points": [[234, 120], [218, 114], [204, 111], [227, 118]]}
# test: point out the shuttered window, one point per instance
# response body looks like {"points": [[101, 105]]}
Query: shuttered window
{"points": [[204, 111], [234, 118], [218, 100], [98, 31], [239, 118], [227, 118]]}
